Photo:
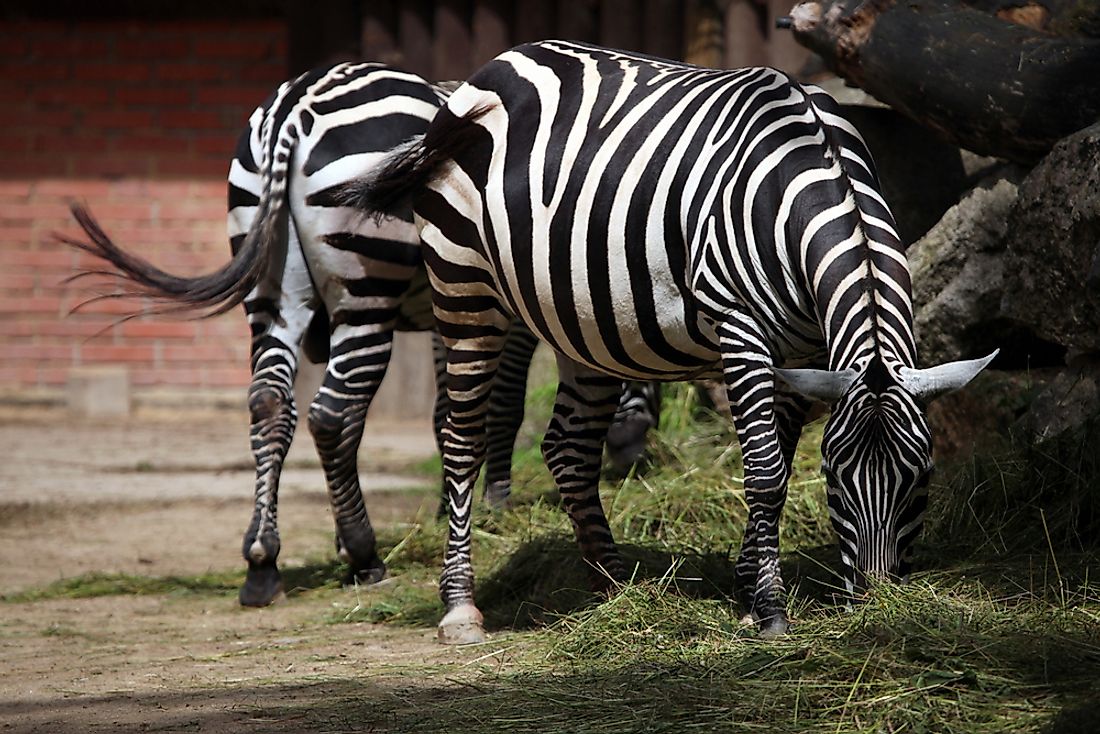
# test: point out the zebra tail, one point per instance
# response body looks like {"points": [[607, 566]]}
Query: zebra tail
{"points": [[411, 166], [214, 293]]}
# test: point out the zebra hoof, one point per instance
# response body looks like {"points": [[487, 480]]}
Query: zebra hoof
{"points": [[774, 626], [372, 573], [462, 626], [262, 585], [497, 495]]}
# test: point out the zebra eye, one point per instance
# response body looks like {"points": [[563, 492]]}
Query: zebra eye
{"points": [[923, 479], [830, 478]]}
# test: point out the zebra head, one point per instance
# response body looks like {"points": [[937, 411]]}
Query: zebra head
{"points": [[876, 455]]}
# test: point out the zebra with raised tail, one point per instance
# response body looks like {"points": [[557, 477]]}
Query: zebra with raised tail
{"points": [[655, 220], [318, 277]]}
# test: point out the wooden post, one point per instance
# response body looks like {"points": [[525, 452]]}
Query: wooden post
{"points": [[452, 47], [663, 28], [621, 24], [578, 20], [379, 39], [784, 51], [414, 31], [534, 21], [703, 42], [745, 33], [490, 32]]}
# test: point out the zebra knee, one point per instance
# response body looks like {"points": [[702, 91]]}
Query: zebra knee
{"points": [[326, 423], [266, 402]]}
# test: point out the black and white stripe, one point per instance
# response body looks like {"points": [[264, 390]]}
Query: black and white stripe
{"points": [[655, 220], [317, 277]]}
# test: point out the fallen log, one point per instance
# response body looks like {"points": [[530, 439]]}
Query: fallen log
{"points": [[991, 83]]}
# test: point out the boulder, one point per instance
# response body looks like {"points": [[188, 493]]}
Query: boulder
{"points": [[958, 272], [1052, 268]]}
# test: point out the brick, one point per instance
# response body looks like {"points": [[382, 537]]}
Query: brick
{"points": [[195, 120], [35, 71], [189, 71], [68, 94], [41, 116], [158, 48], [116, 353], [39, 258], [39, 352], [14, 48], [158, 330], [100, 71], [147, 376], [226, 376], [48, 142], [78, 46], [110, 165], [272, 73], [157, 96], [34, 166], [248, 95], [30, 305], [236, 48], [147, 143], [73, 188], [128, 119], [214, 167]]}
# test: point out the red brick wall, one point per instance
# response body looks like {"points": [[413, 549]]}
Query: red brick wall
{"points": [[138, 120]]}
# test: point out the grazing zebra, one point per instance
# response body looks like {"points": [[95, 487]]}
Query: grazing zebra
{"points": [[655, 220], [337, 288]]}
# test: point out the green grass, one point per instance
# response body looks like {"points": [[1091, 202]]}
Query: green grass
{"points": [[114, 584]]}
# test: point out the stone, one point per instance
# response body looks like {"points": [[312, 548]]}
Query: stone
{"points": [[98, 391], [1052, 267]]}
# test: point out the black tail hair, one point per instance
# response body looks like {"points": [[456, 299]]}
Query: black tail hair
{"points": [[263, 250], [215, 292], [411, 166]]}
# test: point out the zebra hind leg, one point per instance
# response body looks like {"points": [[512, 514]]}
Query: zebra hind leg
{"points": [[472, 365], [506, 403], [573, 449], [273, 419], [638, 413], [336, 420]]}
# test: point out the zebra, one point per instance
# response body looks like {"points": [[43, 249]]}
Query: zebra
{"points": [[654, 220], [336, 292]]}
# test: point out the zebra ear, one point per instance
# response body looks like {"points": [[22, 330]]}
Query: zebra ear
{"points": [[826, 385], [930, 383]]}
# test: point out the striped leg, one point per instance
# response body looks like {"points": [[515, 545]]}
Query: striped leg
{"points": [[278, 321], [573, 448], [439, 412], [358, 363], [273, 418], [506, 412], [472, 359], [751, 391], [639, 411]]}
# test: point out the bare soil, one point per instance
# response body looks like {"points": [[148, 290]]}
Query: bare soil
{"points": [[161, 495]]}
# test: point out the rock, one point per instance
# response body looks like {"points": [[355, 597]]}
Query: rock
{"points": [[958, 279], [1068, 405], [1052, 268]]}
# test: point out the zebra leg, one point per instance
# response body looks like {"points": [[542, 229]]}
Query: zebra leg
{"points": [[506, 412], [336, 417], [273, 418], [751, 390], [472, 361], [439, 412], [638, 412], [790, 414], [573, 449]]}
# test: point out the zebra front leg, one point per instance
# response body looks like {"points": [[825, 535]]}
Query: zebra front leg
{"points": [[506, 403], [573, 449], [336, 417], [439, 412], [751, 391], [273, 418], [472, 362]]}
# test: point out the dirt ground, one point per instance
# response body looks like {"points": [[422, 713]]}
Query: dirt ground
{"points": [[170, 493]]}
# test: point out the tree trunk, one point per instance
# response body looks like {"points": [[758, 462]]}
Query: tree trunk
{"points": [[990, 84]]}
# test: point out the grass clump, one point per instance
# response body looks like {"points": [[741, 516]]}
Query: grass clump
{"points": [[113, 584]]}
